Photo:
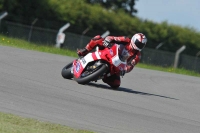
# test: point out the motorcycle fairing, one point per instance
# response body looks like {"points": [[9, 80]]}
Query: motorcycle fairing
{"points": [[80, 64], [115, 59], [119, 65], [109, 55]]}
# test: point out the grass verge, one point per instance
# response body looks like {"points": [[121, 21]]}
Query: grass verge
{"points": [[170, 69], [14, 124]]}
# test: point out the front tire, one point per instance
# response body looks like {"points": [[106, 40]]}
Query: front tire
{"points": [[94, 76], [66, 71]]}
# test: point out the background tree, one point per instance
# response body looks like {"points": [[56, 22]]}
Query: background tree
{"points": [[27, 10], [126, 5], [53, 14]]}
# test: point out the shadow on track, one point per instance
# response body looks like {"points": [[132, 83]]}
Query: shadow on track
{"points": [[127, 90]]}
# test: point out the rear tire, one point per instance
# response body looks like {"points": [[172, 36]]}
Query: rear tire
{"points": [[66, 71], [94, 76]]}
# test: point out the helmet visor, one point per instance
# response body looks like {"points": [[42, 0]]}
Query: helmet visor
{"points": [[139, 44]]}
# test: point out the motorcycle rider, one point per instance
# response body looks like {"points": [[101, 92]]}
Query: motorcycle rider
{"points": [[133, 45]]}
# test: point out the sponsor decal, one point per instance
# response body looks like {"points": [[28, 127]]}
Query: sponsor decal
{"points": [[111, 52], [83, 60], [78, 66]]}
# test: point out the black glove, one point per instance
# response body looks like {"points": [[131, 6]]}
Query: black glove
{"points": [[82, 52], [107, 43]]}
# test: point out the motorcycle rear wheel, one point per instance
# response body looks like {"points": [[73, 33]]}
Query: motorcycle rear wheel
{"points": [[93, 76], [66, 71]]}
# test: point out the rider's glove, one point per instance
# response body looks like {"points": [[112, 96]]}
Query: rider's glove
{"points": [[82, 52], [107, 43], [133, 62]]}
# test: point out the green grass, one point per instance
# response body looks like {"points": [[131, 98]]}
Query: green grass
{"points": [[170, 69], [19, 43], [14, 124]]}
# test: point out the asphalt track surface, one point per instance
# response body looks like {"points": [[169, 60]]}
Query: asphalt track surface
{"points": [[148, 101]]}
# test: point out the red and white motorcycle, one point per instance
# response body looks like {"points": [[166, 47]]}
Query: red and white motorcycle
{"points": [[97, 64]]}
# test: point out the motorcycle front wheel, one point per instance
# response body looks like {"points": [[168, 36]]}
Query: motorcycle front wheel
{"points": [[66, 71], [93, 76]]}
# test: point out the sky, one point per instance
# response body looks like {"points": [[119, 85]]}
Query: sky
{"points": [[178, 12]]}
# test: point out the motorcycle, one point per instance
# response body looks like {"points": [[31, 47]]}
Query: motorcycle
{"points": [[95, 65]]}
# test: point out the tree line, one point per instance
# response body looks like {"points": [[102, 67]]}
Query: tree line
{"points": [[126, 5], [97, 17]]}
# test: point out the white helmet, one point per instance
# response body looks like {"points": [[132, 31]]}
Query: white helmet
{"points": [[138, 41]]}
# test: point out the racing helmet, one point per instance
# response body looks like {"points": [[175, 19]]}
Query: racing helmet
{"points": [[138, 41]]}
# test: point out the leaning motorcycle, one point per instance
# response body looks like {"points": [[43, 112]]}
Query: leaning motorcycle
{"points": [[95, 65]]}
